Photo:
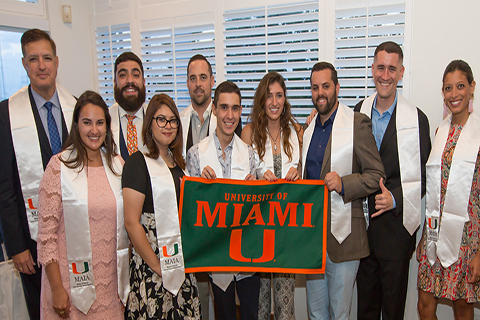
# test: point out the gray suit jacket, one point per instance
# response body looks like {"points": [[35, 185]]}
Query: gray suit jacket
{"points": [[367, 169]]}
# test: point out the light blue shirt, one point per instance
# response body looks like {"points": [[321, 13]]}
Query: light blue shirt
{"points": [[379, 125], [380, 121], [42, 111]]}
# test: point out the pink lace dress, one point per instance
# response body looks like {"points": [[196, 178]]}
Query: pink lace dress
{"points": [[52, 244]]}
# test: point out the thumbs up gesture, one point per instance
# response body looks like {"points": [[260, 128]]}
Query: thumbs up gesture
{"points": [[383, 201]]}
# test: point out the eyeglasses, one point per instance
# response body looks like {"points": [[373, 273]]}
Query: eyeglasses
{"points": [[162, 122]]}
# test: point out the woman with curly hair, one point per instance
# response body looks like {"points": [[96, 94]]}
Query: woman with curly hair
{"points": [[276, 138]]}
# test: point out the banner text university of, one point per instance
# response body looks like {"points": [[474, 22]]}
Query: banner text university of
{"points": [[249, 226]]}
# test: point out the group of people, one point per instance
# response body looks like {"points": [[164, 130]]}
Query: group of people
{"points": [[97, 191]]}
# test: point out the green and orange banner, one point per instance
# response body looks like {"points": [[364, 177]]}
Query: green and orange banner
{"points": [[251, 226]]}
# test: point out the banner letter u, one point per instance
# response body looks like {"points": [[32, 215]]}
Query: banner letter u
{"points": [[268, 247]]}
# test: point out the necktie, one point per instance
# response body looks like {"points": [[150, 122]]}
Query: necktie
{"points": [[132, 143], [55, 141]]}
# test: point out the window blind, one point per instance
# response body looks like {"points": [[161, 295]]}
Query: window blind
{"points": [[165, 56], [358, 31], [111, 41], [272, 38]]}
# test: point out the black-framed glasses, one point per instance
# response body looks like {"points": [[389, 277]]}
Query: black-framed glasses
{"points": [[162, 122]]}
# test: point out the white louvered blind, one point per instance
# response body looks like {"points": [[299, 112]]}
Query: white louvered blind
{"points": [[111, 41], [165, 56], [272, 38], [359, 29]]}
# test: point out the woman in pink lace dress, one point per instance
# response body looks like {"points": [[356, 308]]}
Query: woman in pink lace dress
{"points": [[89, 152], [449, 260]]}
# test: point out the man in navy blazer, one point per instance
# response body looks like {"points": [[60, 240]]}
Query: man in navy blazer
{"points": [[44, 99]]}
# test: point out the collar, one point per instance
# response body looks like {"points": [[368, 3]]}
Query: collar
{"points": [[389, 110], [40, 101], [218, 146], [318, 122], [206, 113], [138, 114]]}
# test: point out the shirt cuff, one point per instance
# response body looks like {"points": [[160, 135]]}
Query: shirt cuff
{"points": [[394, 202]]}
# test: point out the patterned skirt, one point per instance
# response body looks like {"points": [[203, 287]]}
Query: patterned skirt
{"points": [[148, 299]]}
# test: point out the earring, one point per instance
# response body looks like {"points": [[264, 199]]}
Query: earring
{"points": [[470, 104], [283, 111]]}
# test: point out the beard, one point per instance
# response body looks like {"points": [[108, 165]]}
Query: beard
{"points": [[329, 105], [130, 104], [199, 100]]}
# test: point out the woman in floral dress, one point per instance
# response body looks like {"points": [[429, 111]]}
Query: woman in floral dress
{"points": [[149, 298], [448, 251]]}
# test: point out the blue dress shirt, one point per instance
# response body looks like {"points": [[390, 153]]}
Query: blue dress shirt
{"points": [[318, 144], [56, 111]]}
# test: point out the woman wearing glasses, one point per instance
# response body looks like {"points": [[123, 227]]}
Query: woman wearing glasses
{"points": [[160, 289]]}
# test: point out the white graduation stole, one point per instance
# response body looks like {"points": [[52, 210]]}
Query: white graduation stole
{"points": [[444, 235], [167, 224], [341, 161], [267, 163], [408, 145], [185, 117], [77, 232], [240, 158], [27, 147], [240, 169], [115, 125]]}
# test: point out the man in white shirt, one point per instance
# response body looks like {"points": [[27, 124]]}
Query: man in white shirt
{"points": [[128, 111]]}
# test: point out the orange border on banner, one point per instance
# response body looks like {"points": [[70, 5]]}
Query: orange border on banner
{"points": [[262, 182]]}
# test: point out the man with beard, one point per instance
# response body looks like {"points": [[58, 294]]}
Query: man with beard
{"points": [[197, 119], [339, 148], [402, 136], [33, 126], [128, 111]]}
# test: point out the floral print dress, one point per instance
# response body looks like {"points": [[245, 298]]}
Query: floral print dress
{"points": [[451, 282], [148, 299]]}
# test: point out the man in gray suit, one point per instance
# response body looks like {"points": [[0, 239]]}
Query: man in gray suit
{"points": [[339, 148]]}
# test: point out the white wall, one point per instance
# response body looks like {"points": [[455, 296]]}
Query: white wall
{"points": [[74, 40]]}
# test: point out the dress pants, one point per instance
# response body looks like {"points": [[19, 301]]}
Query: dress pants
{"points": [[31, 289], [247, 292], [203, 286], [382, 288], [329, 296]]}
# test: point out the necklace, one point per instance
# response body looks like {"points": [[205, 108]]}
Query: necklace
{"points": [[274, 140], [168, 159]]}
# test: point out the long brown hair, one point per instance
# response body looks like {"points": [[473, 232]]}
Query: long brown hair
{"points": [[176, 147], [259, 118], [74, 140]]}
